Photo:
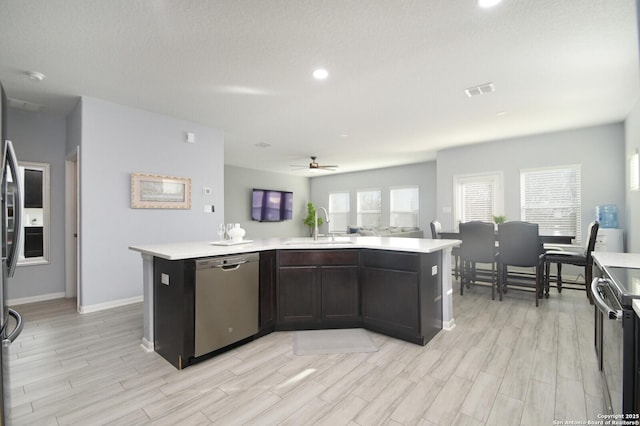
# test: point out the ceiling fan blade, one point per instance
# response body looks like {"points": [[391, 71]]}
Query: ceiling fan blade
{"points": [[327, 167]]}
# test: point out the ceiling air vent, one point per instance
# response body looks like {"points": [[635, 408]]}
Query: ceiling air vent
{"points": [[24, 105], [481, 89]]}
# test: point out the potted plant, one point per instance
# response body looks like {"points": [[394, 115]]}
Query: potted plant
{"points": [[311, 213], [499, 219]]}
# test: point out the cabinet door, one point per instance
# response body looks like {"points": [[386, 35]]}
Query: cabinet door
{"points": [[339, 287], [173, 310], [297, 295], [390, 301], [267, 292]]}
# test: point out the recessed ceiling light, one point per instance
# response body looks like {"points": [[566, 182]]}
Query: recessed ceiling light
{"points": [[501, 113], [320, 74], [488, 3], [262, 145]]}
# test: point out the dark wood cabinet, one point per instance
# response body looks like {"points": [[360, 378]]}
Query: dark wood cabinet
{"points": [[401, 294], [317, 288], [267, 292], [174, 310], [637, 365]]}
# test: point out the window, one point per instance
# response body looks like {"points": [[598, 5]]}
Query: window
{"points": [[369, 203], [550, 197], [338, 211], [478, 197], [405, 206]]}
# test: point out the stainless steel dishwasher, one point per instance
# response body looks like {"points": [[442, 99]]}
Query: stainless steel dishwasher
{"points": [[226, 297]]}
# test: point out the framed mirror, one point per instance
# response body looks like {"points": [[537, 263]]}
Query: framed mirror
{"points": [[34, 248]]}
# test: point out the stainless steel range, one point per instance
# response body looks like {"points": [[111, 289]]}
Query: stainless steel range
{"points": [[615, 336]]}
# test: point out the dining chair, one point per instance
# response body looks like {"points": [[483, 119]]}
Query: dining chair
{"points": [[478, 246], [573, 255], [520, 246], [436, 229]]}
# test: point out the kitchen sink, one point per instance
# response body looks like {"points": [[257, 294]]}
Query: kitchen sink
{"points": [[324, 241]]}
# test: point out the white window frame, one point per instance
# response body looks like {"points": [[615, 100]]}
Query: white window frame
{"points": [[495, 179], [334, 212], [575, 204], [360, 211], [413, 211]]}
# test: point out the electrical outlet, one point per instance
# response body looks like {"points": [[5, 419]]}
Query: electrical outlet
{"points": [[434, 270], [164, 279]]}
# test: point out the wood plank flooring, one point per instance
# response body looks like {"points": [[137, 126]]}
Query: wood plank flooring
{"points": [[506, 363]]}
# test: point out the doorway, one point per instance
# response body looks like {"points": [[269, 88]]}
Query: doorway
{"points": [[72, 240]]}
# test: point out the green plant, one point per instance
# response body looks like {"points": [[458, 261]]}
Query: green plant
{"points": [[311, 212], [499, 219]]}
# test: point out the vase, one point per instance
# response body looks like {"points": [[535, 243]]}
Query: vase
{"points": [[236, 233]]}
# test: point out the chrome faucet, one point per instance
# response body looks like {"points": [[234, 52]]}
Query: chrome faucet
{"points": [[315, 222]]}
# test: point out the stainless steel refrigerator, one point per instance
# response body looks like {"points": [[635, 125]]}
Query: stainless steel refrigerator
{"points": [[11, 214]]}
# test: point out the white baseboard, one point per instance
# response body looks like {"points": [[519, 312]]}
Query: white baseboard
{"points": [[147, 345], [108, 305], [449, 325], [32, 299]]}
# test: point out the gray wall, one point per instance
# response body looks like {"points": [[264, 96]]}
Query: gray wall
{"points": [[237, 200], [117, 141], [600, 151], [421, 174], [41, 137], [632, 145]]}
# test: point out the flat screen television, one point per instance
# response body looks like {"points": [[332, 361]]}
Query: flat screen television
{"points": [[269, 205]]}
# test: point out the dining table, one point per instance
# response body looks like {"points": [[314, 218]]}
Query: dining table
{"points": [[553, 241], [548, 239]]}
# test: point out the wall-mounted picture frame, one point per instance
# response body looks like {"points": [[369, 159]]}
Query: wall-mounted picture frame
{"points": [[150, 191]]}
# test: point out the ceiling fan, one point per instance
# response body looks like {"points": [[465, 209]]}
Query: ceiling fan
{"points": [[314, 166]]}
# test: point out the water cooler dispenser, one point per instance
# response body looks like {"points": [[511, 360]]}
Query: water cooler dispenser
{"points": [[609, 238]]}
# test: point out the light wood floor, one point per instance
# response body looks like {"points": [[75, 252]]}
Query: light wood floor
{"points": [[506, 363]]}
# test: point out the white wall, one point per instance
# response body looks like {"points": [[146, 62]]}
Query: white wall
{"points": [[41, 137], [117, 141], [421, 174], [237, 200], [599, 150], [632, 145]]}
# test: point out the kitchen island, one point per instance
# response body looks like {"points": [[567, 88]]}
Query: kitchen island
{"points": [[370, 245]]}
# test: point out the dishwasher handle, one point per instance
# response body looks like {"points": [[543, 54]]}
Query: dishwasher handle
{"points": [[231, 267], [598, 300]]}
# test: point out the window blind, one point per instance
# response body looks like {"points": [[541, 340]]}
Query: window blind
{"points": [[405, 206], [477, 201], [551, 198], [339, 209], [368, 208]]}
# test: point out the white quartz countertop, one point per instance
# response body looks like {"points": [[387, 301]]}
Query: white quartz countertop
{"points": [[636, 306], [195, 249], [623, 260]]}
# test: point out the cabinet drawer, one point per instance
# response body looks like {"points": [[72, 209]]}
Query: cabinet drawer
{"points": [[318, 257], [392, 260]]}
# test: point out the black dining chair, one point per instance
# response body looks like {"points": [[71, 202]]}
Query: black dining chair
{"points": [[573, 255], [478, 246], [436, 229], [520, 246]]}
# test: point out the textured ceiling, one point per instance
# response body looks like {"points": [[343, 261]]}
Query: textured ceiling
{"points": [[398, 70]]}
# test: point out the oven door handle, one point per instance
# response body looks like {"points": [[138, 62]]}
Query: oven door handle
{"points": [[596, 292]]}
